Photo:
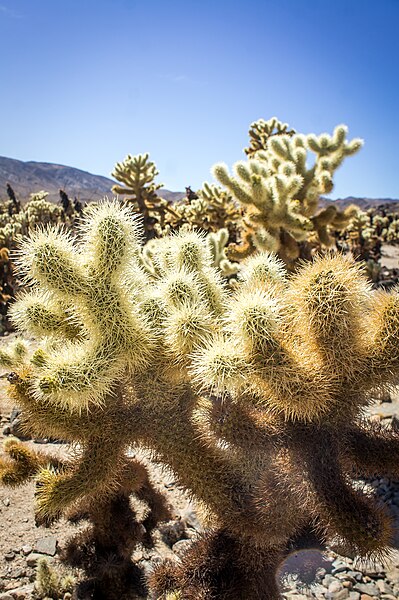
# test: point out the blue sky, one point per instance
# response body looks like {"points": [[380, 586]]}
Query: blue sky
{"points": [[86, 82]]}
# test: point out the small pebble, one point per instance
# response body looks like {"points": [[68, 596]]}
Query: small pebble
{"points": [[9, 556]]}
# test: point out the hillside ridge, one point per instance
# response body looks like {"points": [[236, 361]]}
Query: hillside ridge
{"points": [[26, 177]]}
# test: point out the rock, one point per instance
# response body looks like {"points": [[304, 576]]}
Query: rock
{"points": [[47, 545], [32, 559], [339, 595], [354, 596], [23, 593], [348, 584], [6, 596], [355, 575], [328, 580], [339, 569], [12, 586], [383, 586], [18, 573], [7, 430], [335, 586], [26, 550], [6, 502], [180, 547], [369, 589], [172, 532], [9, 556]]}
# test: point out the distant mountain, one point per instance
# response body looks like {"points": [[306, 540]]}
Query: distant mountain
{"points": [[363, 203], [28, 177], [31, 176]]}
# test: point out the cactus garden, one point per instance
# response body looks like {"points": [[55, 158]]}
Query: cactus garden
{"points": [[203, 391]]}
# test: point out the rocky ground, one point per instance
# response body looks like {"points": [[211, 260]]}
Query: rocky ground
{"points": [[305, 574]]}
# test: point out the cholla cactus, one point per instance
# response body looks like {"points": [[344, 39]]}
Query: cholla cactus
{"points": [[52, 585], [212, 210], [217, 243], [280, 193], [137, 174], [153, 250], [253, 398], [39, 212], [260, 131], [297, 361]]}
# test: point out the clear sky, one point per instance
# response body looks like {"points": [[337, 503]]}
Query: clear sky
{"points": [[83, 83]]}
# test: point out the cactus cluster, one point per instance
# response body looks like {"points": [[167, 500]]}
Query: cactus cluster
{"points": [[35, 213], [211, 210], [252, 397], [280, 192], [137, 174]]}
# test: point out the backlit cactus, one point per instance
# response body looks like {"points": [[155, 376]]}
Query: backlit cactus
{"points": [[213, 209], [253, 397], [137, 174], [280, 192]]}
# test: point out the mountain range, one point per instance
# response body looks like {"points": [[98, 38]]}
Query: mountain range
{"points": [[32, 176]]}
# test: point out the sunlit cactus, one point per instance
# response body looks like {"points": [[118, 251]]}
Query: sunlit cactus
{"points": [[137, 174], [253, 397], [40, 212], [260, 131], [280, 192], [213, 209]]}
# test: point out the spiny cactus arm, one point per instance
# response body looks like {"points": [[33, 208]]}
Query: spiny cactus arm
{"points": [[263, 269], [23, 463], [343, 218], [330, 153], [261, 131], [193, 293], [371, 449], [254, 357], [362, 524], [168, 428], [383, 350], [93, 275], [217, 244], [246, 428], [94, 474], [221, 173], [46, 419], [39, 314], [50, 584], [15, 354], [329, 300]]}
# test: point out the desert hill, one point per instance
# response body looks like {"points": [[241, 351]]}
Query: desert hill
{"points": [[31, 176]]}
